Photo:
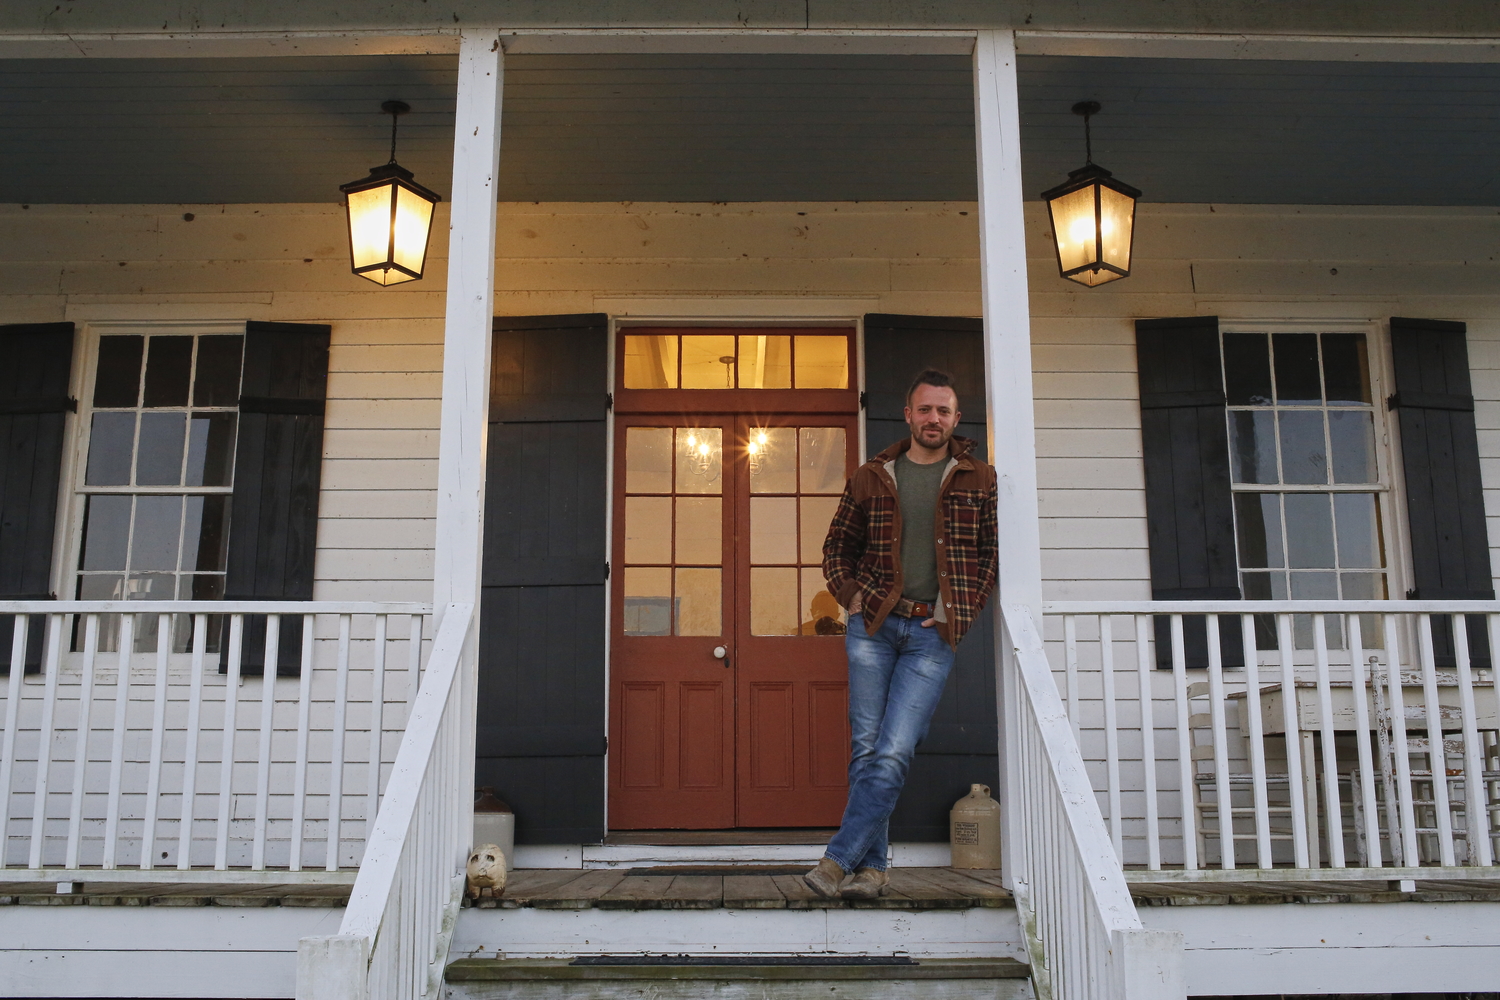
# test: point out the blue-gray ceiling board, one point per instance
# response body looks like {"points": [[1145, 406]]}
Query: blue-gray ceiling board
{"points": [[748, 128]]}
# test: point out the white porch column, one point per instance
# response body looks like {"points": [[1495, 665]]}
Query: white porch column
{"points": [[1007, 353], [466, 329]]}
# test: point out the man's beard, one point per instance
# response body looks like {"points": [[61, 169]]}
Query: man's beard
{"points": [[918, 437]]}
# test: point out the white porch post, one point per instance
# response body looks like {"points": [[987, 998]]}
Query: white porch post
{"points": [[466, 356], [1007, 352]]}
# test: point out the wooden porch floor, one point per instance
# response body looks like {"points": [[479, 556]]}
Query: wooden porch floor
{"points": [[177, 893]]}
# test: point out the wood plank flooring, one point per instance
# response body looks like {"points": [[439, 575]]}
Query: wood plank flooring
{"points": [[173, 894]]}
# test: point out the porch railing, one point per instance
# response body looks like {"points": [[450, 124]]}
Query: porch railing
{"points": [[1308, 735], [393, 942], [1085, 937], [149, 737]]}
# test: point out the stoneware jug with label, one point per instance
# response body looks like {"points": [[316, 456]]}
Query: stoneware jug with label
{"points": [[974, 829], [494, 823]]}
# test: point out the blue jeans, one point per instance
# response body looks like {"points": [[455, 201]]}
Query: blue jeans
{"points": [[896, 677]]}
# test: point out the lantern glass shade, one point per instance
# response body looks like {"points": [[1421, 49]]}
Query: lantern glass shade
{"points": [[1093, 224], [390, 219]]}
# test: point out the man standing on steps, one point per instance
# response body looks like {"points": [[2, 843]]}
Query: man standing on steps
{"points": [[912, 555]]}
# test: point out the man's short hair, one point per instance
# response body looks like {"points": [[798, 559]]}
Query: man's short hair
{"points": [[931, 376]]}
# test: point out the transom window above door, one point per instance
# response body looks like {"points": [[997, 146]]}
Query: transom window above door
{"points": [[725, 359]]}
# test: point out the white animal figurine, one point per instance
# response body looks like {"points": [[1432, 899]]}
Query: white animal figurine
{"points": [[486, 870]]}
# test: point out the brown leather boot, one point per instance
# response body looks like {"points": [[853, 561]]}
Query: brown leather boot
{"points": [[825, 879], [868, 884]]}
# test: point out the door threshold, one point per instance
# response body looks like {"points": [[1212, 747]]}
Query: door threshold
{"points": [[717, 838]]}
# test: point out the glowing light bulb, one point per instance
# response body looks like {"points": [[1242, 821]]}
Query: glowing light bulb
{"points": [[703, 449], [1082, 229], [761, 437], [692, 441], [753, 447]]}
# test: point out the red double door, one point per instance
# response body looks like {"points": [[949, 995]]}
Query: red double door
{"points": [[728, 690]]}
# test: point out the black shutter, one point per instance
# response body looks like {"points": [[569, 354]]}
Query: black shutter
{"points": [[34, 404], [273, 518], [1434, 404], [962, 744], [541, 732], [1189, 507]]}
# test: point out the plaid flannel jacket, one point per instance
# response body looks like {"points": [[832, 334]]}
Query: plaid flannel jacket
{"points": [[861, 554]]}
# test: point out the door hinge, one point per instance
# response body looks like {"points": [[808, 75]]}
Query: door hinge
{"points": [[606, 744], [606, 569], [609, 401], [864, 400]]}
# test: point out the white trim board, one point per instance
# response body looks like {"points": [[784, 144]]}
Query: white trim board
{"points": [[1335, 947], [980, 932], [736, 308], [564, 856]]}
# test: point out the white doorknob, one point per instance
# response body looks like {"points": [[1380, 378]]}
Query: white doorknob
{"points": [[720, 652]]}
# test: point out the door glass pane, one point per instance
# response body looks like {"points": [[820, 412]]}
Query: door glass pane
{"points": [[1247, 369], [822, 459], [698, 602], [1297, 381], [1252, 444], [651, 361], [821, 614], [1351, 433], [1346, 370], [773, 530], [1304, 456], [699, 460], [1358, 519], [111, 447], [773, 463], [648, 460], [773, 601], [822, 362], [700, 530], [708, 362], [217, 382], [1309, 530], [648, 530], [765, 362], [118, 380], [160, 460], [169, 362], [648, 601], [817, 515]]}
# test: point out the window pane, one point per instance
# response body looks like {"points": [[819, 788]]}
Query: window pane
{"points": [[1257, 586], [773, 530], [648, 460], [213, 533], [101, 587], [1358, 520], [823, 455], [1257, 518], [1352, 436], [160, 460], [821, 614], [648, 601], [822, 362], [169, 362], [817, 515], [217, 382], [699, 602], [1346, 371], [111, 446], [158, 527], [699, 460], [151, 587], [211, 450], [1252, 443], [773, 602], [773, 466], [1309, 530], [1247, 369], [1314, 587], [1363, 587], [106, 532], [1297, 378], [700, 530], [117, 381], [708, 362], [648, 530], [765, 362], [1304, 455], [651, 361]]}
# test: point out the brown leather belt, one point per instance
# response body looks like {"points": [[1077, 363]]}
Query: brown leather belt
{"points": [[912, 609]]}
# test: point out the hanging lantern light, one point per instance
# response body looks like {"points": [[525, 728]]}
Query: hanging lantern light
{"points": [[1093, 217], [390, 217]]}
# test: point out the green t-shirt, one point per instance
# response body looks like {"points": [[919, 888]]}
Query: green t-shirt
{"points": [[917, 488]]}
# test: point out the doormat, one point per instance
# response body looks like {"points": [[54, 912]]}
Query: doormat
{"points": [[733, 960], [660, 870]]}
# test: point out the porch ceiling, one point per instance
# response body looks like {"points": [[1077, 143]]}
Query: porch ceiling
{"points": [[748, 128]]}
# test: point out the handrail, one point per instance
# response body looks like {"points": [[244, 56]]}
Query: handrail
{"points": [[1085, 937], [1268, 607], [393, 939]]}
